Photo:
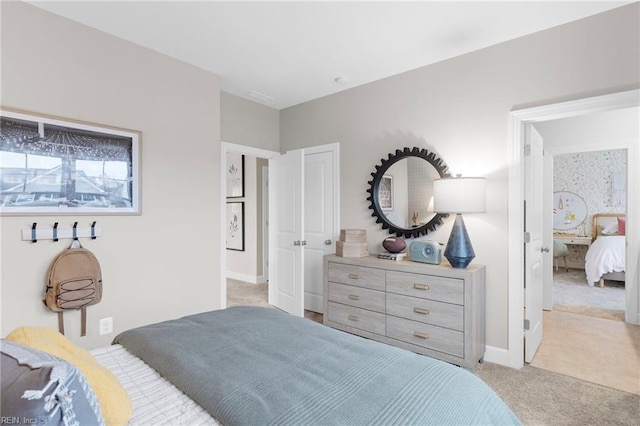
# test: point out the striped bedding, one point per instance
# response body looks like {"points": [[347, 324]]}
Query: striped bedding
{"points": [[155, 400]]}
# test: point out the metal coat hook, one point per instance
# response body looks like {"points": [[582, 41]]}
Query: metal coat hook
{"points": [[33, 232], [75, 231], [93, 230], [55, 232]]}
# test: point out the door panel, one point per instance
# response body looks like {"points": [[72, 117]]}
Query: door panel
{"points": [[547, 236], [286, 254], [534, 246], [319, 224]]}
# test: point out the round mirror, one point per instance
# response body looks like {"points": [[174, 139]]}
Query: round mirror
{"points": [[569, 210], [401, 192]]}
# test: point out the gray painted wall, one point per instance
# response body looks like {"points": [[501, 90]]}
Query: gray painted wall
{"points": [[244, 122], [156, 266], [459, 108]]}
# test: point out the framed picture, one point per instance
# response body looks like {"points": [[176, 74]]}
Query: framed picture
{"points": [[385, 192], [235, 226], [235, 175], [55, 166]]}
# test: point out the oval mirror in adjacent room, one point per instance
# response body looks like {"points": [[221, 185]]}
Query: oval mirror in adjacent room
{"points": [[401, 192], [569, 210]]}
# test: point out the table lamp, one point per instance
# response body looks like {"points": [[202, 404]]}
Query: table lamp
{"points": [[459, 195]]}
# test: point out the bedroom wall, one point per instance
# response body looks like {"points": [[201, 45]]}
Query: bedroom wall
{"points": [[244, 122], [459, 108], [163, 263]]}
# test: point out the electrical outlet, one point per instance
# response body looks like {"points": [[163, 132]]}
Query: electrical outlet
{"points": [[106, 326]]}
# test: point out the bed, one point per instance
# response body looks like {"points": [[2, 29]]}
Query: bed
{"points": [[605, 259], [256, 366]]}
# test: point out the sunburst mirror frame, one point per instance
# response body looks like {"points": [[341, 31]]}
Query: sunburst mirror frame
{"points": [[374, 186]]}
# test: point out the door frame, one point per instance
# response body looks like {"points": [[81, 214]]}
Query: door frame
{"points": [[518, 119], [227, 147]]}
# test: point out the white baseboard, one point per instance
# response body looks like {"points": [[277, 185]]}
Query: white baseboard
{"points": [[251, 279], [496, 355]]}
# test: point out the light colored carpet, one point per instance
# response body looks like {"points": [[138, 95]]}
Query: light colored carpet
{"points": [[571, 293], [541, 397], [240, 293]]}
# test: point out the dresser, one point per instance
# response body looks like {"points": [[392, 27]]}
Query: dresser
{"points": [[434, 310]]}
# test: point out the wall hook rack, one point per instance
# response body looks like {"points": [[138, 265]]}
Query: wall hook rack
{"points": [[56, 233]]}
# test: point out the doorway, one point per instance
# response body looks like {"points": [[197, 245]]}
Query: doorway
{"points": [[589, 195], [583, 325], [247, 286], [518, 121], [320, 161]]}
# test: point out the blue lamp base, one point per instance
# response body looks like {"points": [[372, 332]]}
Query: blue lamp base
{"points": [[459, 251]]}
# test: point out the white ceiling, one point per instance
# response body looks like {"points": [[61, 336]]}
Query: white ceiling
{"points": [[292, 52]]}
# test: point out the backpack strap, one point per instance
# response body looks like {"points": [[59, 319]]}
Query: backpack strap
{"points": [[60, 323], [83, 321], [83, 325]]}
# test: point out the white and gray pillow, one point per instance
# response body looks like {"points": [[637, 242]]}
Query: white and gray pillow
{"points": [[40, 388]]}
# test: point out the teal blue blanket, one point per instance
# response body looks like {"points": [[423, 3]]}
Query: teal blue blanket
{"points": [[259, 366]]}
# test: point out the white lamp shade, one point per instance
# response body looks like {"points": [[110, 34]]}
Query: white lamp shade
{"points": [[460, 195]]}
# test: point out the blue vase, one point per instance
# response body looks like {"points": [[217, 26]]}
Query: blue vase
{"points": [[459, 251]]}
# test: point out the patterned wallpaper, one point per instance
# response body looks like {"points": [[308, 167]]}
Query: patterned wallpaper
{"points": [[600, 179]]}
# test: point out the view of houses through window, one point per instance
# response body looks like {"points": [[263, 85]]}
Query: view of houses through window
{"points": [[46, 165]]}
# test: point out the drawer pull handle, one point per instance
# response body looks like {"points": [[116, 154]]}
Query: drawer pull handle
{"points": [[421, 286], [421, 311], [354, 297], [353, 276], [353, 318], [420, 335]]}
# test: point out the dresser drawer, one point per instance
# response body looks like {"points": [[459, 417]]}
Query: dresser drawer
{"points": [[450, 290], [427, 311], [359, 297], [357, 318], [356, 275], [426, 335]]}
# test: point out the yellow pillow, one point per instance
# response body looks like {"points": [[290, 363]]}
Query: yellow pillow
{"points": [[114, 401]]}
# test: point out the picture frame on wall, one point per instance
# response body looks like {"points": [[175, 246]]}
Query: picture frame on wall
{"points": [[385, 192], [235, 225], [235, 175], [58, 166]]}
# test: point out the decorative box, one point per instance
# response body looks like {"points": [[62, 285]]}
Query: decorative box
{"points": [[352, 249], [353, 235]]}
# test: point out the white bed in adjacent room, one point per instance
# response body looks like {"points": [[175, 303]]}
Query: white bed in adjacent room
{"points": [[605, 258]]}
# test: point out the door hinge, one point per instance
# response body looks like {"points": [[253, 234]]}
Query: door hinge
{"points": [[527, 237], [527, 325], [527, 150]]}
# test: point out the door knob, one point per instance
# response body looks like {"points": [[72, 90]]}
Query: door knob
{"points": [[327, 242], [296, 243], [545, 249]]}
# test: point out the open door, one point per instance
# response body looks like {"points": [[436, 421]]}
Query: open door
{"points": [[534, 248], [286, 241], [319, 221], [547, 236]]}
